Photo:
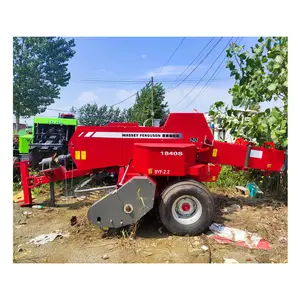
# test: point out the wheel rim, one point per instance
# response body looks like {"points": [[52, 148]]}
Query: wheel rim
{"points": [[186, 210]]}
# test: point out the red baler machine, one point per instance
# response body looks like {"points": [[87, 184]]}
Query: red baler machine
{"points": [[167, 164]]}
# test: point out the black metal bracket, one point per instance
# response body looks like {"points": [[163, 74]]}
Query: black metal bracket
{"points": [[284, 167], [247, 156], [52, 195], [45, 145]]}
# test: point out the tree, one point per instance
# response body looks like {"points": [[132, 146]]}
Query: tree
{"points": [[40, 69], [260, 77], [141, 111], [92, 114]]}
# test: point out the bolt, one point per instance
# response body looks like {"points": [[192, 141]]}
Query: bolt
{"points": [[128, 208]]}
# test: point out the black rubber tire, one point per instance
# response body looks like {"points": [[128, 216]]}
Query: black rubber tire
{"points": [[195, 189]]}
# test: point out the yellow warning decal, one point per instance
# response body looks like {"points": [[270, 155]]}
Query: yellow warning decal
{"points": [[150, 171], [214, 178], [215, 152], [83, 155], [77, 154], [269, 166]]}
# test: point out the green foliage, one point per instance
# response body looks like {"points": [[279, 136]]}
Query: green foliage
{"points": [[17, 186], [92, 114], [40, 69], [142, 109], [229, 178], [260, 76]]}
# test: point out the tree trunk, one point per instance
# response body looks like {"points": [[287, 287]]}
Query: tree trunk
{"points": [[17, 123]]}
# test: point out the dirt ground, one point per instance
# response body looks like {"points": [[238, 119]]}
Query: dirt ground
{"points": [[151, 243]]}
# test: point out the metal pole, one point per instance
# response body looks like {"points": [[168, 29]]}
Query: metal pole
{"points": [[152, 112], [52, 195], [247, 156]]}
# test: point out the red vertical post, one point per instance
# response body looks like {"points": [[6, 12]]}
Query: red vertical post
{"points": [[121, 175], [25, 186]]}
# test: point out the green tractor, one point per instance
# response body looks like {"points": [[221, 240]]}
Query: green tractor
{"points": [[21, 143], [49, 137]]}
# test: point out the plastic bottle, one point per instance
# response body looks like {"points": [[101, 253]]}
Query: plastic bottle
{"points": [[38, 206]]}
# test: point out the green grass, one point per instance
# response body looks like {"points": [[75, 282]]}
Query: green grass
{"points": [[229, 178], [59, 185]]}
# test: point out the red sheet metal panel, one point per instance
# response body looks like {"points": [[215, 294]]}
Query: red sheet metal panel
{"points": [[163, 159], [105, 146], [235, 155]]}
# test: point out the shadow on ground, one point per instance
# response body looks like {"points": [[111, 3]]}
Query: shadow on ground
{"points": [[223, 201]]}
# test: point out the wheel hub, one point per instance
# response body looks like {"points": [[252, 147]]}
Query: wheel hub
{"points": [[186, 210], [185, 207]]}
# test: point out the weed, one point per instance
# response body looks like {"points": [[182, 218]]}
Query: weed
{"points": [[230, 178]]}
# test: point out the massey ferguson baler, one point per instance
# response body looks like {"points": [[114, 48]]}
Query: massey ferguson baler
{"points": [[166, 164]]}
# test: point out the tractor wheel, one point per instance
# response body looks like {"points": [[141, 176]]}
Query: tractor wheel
{"points": [[186, 208]]}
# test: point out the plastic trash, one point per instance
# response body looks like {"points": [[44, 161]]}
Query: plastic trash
{"points": [[204, 248], [46, 238], [253, 189], [230, 261], [231, 209], [243, 238], [38, 206]]}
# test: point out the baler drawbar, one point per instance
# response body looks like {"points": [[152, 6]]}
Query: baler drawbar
{"points": [[144, 165]]}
